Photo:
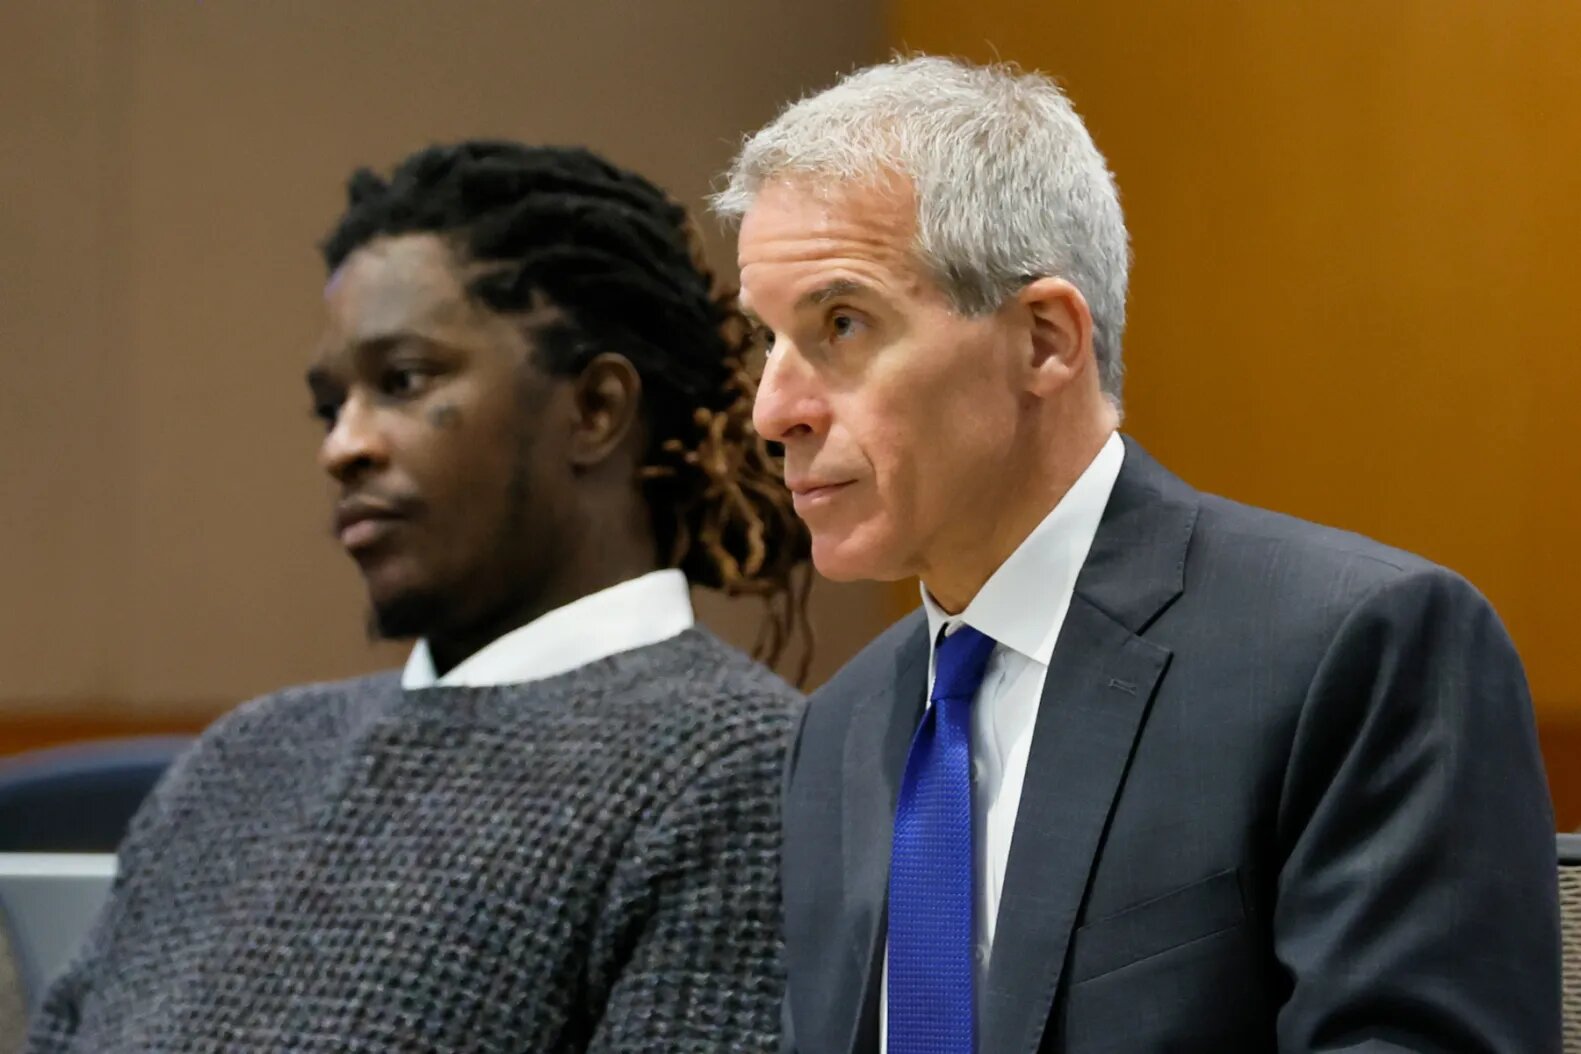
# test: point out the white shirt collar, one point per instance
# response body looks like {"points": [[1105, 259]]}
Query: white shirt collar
{"points": [[1012, 607], [633, 614]]}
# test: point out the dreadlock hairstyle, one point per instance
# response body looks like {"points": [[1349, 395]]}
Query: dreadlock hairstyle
{"points": [[621, 262]]}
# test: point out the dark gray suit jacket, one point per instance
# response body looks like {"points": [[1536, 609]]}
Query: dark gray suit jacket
{"points": [[1283, 794]]}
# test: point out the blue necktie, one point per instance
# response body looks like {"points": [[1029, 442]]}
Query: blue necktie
{"points": [[931, 866]]}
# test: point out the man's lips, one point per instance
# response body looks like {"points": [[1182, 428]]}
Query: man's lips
{"points": [[361, 523], [807, 493]]}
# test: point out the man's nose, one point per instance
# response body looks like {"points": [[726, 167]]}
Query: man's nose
{"points": [[355, 443], [790, 401]]}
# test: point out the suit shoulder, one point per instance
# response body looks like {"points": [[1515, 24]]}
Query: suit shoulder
{"points": [[1312, 578], [1261, 539]]}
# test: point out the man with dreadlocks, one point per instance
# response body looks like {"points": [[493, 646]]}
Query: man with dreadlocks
{"points": [[557, 829]]}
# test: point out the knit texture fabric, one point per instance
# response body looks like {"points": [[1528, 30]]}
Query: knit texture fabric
{"points": [[585, 863]]}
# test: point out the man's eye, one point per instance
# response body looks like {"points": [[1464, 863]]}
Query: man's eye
{"points": [[763, 337], [401, 382], [326, 413], [843, 325]]}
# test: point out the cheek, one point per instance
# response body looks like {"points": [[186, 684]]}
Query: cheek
{"points": [[897, 452], [933, 454], [465, 481]]}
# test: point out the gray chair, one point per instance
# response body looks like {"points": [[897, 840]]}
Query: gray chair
{"points": [[1570, 923], [71, 799], [48, 903], [13, 1000]]}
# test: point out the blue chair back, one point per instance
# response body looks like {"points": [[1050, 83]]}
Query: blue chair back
{"points": [[81, 797]]}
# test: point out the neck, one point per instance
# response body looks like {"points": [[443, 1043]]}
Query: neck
{"points": [[450, 649], [952, 582], [610, 549]]}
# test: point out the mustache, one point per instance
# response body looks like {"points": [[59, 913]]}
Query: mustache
{"points": [[372, 503]]}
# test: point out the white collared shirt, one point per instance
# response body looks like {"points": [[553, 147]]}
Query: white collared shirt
{"points": [[1022, 606], [633, 614]]}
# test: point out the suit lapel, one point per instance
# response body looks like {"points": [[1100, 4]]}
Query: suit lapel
{"points": [[1100, 682], [882, 725]]}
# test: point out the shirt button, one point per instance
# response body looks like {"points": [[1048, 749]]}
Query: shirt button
{"points": [[979, 772], [982, 955]]}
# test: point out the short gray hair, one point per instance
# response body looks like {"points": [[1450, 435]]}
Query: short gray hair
{"points": [[1009, 185]]}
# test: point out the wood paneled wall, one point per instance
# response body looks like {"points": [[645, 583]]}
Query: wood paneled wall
{"points": [[1357, 235]]}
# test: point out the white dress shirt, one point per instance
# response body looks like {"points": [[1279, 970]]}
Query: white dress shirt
{"points": [[633, 614], [1022, 607]]}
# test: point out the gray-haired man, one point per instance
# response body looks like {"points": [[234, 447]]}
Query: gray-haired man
{"points": [[1150, 770]]}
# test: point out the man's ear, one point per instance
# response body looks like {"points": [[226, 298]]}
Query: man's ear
{"points": [[1060, 333], [606, 397]]}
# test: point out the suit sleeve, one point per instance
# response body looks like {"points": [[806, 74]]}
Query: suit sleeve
{"points": [[693, 933], [1417, 907]]}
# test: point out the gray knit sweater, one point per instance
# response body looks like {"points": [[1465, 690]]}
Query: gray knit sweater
{"points": [[585, 863]]}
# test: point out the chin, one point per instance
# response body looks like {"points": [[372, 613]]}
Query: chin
{"points": [[396, 613], [853, 558]]}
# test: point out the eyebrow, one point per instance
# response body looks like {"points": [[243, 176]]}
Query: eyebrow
{"points": [[318, 379], [833, 290], [822, 295], [374, 344]]}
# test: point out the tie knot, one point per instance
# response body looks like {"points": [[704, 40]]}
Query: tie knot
{"points": [[959, 662]]}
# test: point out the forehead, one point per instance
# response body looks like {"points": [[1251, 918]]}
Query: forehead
{"points": [[392, 285], [797, 234]]}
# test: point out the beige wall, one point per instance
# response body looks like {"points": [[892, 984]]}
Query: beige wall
{"points": [[167, 168]]}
